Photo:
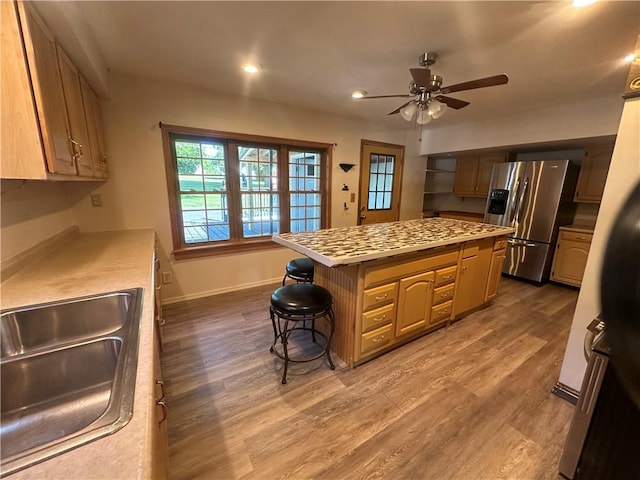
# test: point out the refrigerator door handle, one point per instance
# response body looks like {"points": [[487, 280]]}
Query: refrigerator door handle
{"points": [[520, 243], [523, 194], [514, 205]]}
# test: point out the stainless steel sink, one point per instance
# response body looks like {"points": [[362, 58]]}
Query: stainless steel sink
{"points": [[67, 371], [42, 326]]}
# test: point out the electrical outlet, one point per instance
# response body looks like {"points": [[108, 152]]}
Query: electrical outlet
{"points": [[167, 277], [96, 200]]}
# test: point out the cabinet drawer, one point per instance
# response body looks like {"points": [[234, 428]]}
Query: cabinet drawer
{"points": [[442, 294], [576, 236], [378, 318], [386, 272], [445, 275], [500, 243], [441, 313], [377, 339], [378, 296]]}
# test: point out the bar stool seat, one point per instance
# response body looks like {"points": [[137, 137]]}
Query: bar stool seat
{"points": [[291, 307], [300, 270]]}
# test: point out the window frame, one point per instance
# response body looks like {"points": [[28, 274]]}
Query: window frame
{"points": [[230, 140]]}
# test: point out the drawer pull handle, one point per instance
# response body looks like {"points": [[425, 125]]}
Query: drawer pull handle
{"points": [[161, 383], [382, 297], [379, 319], [378, 339], [164, 411], [445, 294], [446, 277]]}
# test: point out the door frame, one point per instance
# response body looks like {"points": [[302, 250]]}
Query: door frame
{"points": [[400, 169]]}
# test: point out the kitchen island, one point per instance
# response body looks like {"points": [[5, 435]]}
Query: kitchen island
{"points": [[393, 282]]}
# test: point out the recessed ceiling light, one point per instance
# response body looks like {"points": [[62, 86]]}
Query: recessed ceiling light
{"points": [[630, 58], [582, 3], [251, 67], [359, 93]]}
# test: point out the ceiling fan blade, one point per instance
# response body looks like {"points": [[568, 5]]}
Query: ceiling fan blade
{"points": [[397, 110], [421, 76], [480, 83], [452, 102], [384, 96]]}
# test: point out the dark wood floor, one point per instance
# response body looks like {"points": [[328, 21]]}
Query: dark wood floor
{"points": [[471, 401]]}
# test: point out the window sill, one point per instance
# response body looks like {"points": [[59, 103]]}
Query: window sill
{"points": [[207, 250]]}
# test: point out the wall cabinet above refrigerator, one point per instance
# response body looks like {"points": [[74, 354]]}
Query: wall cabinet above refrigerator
{"points": [[473, 174], [593, 174]]}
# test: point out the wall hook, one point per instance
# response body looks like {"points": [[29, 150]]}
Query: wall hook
{"points": [[346, 166]]}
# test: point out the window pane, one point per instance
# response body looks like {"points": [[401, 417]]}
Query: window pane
{"points": [[190, 183], [192, 202], [380, 181], [304, 185], [386, 203], [259, 211], [185, 148], [204, 199]]}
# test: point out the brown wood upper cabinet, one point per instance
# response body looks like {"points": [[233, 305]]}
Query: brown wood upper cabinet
{"points": [[47, 125], [473, 174], [593, 174]]}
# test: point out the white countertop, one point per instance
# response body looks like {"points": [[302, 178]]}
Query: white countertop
{"points": [[348, 245], [98, 263]]}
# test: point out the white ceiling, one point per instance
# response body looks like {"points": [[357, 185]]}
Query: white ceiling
{"points": [[315, 53]]}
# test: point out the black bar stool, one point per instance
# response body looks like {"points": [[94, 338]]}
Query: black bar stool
{"points": [[300, 270], [292, 306]]}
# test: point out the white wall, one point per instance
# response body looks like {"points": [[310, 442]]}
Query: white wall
{"points": [[593, 118], [136, 194], [31, 212], [624, 174]]}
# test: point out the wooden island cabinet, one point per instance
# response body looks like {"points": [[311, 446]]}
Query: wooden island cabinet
{"points": [[394, 282]]}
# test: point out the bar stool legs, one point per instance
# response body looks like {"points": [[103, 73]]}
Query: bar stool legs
{"points": [[291, 307]]}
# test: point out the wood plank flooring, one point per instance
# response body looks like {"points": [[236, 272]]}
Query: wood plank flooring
{"points": [[470, 401]]}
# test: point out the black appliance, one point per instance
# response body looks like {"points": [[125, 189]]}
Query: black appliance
{"points": [[604, 438]]}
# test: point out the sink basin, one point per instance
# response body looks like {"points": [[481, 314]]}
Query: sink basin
{"points": [[71, 386], [41, 326]]}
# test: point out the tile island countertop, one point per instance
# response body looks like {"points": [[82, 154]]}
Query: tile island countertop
{"points": [[349, 245]]}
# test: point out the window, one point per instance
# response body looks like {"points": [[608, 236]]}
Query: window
{"points": [[231, 192]]}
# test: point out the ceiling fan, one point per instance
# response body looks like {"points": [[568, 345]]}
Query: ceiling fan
{"points": [[429, 95]]}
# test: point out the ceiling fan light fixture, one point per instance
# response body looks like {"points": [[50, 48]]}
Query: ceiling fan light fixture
{"points": [[433, 107], [358, 93], [423, 117], [408, 111], [251, 67], [441, 110]]}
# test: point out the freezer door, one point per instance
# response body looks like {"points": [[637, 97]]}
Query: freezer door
{"points": [[539, 200], [527, 259], [506, 182]]}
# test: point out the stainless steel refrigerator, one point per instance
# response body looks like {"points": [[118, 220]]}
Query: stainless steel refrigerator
{"points": [[535, 198]]}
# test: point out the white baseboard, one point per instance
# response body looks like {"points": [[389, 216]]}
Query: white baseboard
{"points": [[210, 293]]}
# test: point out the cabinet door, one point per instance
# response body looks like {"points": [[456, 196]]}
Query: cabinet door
{"points": [[466, 176], [485, 169], [593, 175], [75, 110], [570, 261], [414, 303], [48, 92], [495, 274], [465, 285], [94, 128], [160, 433]]}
